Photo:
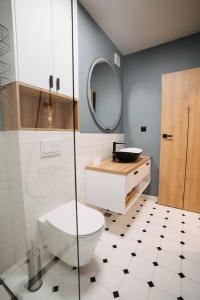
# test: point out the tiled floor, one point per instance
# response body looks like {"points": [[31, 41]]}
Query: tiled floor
{"points": [[59, 283], [151, 253]]}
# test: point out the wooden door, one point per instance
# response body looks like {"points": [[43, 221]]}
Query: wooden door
{"points": [[192, 182], [173, 150]]}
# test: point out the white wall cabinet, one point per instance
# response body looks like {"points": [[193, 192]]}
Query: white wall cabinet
{"points": [[44, 43], [62, 44], [117, 190], [34, 41]]}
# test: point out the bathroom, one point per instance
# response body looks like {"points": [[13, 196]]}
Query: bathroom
{"points": [[99, 144]]}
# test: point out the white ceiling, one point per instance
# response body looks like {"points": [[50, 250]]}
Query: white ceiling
{"points": [[134, 25]]}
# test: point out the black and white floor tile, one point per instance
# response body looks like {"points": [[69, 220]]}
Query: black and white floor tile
{"points": [[151, 253]]}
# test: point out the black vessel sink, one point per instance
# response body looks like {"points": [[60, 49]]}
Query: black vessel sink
{"points": [[127, 155]]}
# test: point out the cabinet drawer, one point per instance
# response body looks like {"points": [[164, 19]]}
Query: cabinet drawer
{"points": [[137, 175], [145, 170]]}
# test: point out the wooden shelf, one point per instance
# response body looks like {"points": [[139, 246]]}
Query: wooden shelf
{"points": [[30, 89], [45, 129], [133, 196], [28, 108]]}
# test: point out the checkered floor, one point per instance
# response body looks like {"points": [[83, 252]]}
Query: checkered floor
{"points": [[151, 253]]}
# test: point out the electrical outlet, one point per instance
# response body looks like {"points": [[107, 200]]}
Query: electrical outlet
{"points": [[143, 128]]}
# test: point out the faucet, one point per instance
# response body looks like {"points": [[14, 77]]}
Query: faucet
{"points": [[117, 143], [114, 148]]}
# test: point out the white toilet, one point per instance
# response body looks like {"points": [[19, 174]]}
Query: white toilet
{"points": [[59, 232]]}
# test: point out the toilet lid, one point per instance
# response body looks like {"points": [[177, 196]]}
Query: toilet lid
{"points": [[64, 219]]}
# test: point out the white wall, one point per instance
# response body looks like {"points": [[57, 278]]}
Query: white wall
{"points": [[12, 226], [15, 193], [6, 20], [7, 255], [49, 182], [31, 186], [12, 217]]}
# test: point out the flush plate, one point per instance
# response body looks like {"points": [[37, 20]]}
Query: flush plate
{"points": [[49, 148]]}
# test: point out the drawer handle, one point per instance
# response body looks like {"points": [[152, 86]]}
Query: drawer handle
{"points": [[147, 164], [136, 172]]}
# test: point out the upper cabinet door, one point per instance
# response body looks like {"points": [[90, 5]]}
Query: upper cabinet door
{"points": [[62, 41], [34, 41]]}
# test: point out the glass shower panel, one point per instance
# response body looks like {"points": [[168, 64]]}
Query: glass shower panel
{"points": [[38, 119]]}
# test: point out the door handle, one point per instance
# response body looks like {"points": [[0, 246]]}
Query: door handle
{"points": [[165, 136]]}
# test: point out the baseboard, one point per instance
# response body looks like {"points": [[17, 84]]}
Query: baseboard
{"points": [[153, 198]]}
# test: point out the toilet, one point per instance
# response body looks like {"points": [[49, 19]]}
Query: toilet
{"points": [[59, 232]]}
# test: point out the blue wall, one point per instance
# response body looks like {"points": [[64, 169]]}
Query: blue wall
{"points": [[142, 93], [93, 43]]}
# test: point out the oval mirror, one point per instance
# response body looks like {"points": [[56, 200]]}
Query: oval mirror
{"points": [[104, 94]]}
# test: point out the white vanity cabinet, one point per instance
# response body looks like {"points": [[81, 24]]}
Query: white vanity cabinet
{"points": [[44, 43], [116, 186]]}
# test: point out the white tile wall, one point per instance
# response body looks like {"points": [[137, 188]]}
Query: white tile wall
{"points": [[7, 256], [49, 182], [12, 150], [32, 186]]}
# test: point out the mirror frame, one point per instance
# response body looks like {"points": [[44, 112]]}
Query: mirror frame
{"points": [[92, 111]]}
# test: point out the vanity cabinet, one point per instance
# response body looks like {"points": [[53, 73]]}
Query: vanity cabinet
{"points": [[117, 186], [44, 43]]}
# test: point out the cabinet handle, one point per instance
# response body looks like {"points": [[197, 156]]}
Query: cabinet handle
{"points": [[147, 164], [57, 84], [51, 81], [136, 172]]}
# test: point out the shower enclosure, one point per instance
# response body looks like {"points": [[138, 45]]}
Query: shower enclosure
{"points": [[38, 121]]}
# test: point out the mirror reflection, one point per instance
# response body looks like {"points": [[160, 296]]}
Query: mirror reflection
{"points": [[104, 94]]}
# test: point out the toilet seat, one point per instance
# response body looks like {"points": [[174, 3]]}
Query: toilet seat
{"points": [[90, 221]]}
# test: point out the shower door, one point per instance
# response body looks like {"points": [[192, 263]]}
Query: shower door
{"points": [[38, 120]]}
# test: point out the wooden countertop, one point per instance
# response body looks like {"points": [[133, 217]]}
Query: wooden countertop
{"points": [[108, 166]]}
